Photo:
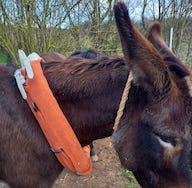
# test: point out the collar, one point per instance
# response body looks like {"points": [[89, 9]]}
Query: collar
{"points": [[57, 130]]}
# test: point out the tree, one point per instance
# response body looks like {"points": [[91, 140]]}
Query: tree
{"points": [[172, 13], [67, 25]]}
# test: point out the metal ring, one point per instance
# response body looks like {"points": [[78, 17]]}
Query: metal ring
{"points": [[56, 150]]}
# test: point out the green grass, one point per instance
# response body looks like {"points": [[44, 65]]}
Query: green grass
{"points": [[3, 58], [131, 185], [129, 175]]}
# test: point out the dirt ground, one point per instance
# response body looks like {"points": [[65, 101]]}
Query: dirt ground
{"points": [[107, 172]]}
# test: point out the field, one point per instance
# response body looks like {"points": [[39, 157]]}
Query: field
{"points": [[107, 172]]}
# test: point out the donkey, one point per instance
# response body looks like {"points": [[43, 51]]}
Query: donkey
{"points": [[84, 89], [153, 138], [52, 56]]}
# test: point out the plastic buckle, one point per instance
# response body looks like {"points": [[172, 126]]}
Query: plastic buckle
{"points": [[25, 63], [20, 81], [34, 56]]}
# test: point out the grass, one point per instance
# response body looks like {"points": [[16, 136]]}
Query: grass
{"points": [[131, 185], [3, 58], [129, 175]]}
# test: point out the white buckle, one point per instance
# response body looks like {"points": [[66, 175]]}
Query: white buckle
{"points": [[34, 56], [20, 81], [25, 64]]}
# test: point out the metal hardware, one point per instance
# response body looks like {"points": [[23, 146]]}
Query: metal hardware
{"points": [[57, 150], [34, 106]]}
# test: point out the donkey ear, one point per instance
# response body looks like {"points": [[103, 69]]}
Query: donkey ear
{"points": [[154, 35], [145, 62]]}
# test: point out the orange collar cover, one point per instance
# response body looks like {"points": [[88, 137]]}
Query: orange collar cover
{"points": [[54, 125]]}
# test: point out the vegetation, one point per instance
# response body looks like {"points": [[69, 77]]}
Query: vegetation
{"points": [[64, 26], [129, 175], [3, 58]]}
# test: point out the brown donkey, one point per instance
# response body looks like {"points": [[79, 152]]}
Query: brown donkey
{"points": [[88, 92], [154, 136], [153, 139]]}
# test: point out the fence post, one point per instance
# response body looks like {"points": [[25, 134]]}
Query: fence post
{"points": [[171, 39]]}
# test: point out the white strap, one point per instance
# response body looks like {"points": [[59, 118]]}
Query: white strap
{"points": [[20, 81], [34, 56], [25, 64]]}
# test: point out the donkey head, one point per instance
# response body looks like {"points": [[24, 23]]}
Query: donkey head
{"points": [[153, 138]]}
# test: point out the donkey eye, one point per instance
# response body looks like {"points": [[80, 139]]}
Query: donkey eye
{"points": [[166, 141]]}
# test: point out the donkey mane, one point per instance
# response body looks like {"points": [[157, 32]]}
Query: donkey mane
{"points": [[78, 75]]}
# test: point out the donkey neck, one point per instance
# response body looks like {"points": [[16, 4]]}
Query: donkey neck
{"points": [[89, 97]]}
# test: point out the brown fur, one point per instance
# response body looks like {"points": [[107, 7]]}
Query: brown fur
{"points": [[52, 56], [88, 92], [159, 106]]}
